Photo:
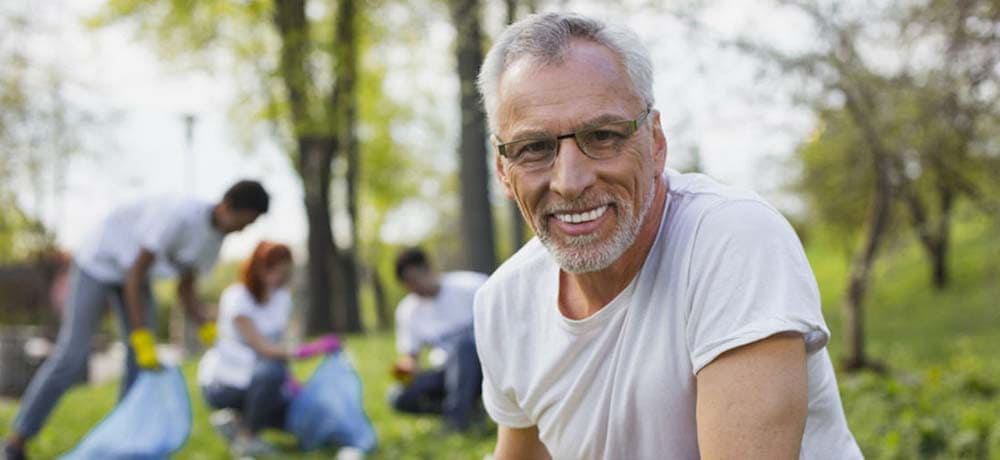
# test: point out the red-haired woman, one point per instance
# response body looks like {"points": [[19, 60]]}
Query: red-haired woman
{"points": [[246, 369]]}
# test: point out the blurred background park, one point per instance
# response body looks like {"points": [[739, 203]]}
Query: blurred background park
{"points": [[873, 125]]}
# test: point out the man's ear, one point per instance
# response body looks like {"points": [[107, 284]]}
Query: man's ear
{"points": [[659, 144], [502, 176]]}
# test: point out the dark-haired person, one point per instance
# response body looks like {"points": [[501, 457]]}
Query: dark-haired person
{"points": [[162, 237], [437, 313], [246, 368]]}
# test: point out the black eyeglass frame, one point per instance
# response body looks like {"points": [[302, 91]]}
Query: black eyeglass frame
{"points": [[631, 128]]}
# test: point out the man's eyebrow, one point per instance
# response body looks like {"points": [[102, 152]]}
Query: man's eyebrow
{"points": [[527, 134], [599, 120], [594, 122]]}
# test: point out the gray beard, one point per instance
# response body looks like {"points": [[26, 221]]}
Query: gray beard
{"points": [[582, 254]]}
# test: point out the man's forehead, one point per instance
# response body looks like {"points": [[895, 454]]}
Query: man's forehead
{"points": [[589, 81]]}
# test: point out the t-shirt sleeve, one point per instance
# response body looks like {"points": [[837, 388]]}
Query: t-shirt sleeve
{"points": [[749, 279], [405, 342], [237, 301], [500, 404]]}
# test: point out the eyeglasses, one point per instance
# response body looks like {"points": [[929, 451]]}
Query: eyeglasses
{"points": [[597, 142]]}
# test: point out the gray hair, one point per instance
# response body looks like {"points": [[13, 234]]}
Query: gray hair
{"points": [[545, 37]]}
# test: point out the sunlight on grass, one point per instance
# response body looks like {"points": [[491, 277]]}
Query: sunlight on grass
{"points": [[939, 400]]}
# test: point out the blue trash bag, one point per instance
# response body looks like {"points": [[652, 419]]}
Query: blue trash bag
{"points": [[151, 422], [328, 411]]}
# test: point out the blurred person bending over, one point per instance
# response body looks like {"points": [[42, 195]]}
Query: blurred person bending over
{"points": [[437, 313], [246, 370], [162, 237], [656, 314]]}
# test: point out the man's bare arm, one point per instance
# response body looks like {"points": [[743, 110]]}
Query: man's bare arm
{"points": [[187, 292], [519, 444], [753, 400], [134, 281]]}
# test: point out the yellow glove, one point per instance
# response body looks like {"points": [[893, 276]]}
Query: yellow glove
{"points": [[207, 333], [145, 348]]}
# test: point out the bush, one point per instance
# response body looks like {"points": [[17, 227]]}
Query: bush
{"points": [[946, 412]]}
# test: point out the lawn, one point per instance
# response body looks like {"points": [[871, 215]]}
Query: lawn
{"points": [[400, 437], [940, 397]]}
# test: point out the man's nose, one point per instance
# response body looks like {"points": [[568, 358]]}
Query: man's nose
{"points": [[572, 170]]}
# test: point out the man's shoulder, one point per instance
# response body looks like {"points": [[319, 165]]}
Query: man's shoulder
{"points": [[518, 276], [695, 196], [463, 278], [705, 190], [175, 209], [406, 305], [234, 295]]}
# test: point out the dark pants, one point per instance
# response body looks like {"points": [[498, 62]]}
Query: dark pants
{"points": [[82, 313], [453, 390], [262, 404]]}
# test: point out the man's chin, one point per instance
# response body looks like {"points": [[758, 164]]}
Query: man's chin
{"points": [[581, 260]]}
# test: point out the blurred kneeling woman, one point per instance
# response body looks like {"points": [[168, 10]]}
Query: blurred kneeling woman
{"points": [[245, 373]]}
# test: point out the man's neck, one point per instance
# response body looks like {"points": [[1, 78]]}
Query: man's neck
{"points": [[213, 218], [583, 294], [436, 289]]}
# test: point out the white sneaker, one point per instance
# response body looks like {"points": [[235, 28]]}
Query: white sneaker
{"points": [[350, 453], [251, 447], [226, 422]]}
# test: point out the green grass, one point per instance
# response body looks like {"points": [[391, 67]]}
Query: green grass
{"points": [[400, 436], [939, 399], [910, 324]]}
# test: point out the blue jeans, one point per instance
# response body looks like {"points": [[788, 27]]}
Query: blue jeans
{"points": [[87, 300], [453, 390], [262, 404]]}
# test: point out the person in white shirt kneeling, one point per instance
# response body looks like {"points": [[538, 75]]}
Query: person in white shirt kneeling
{"points": [[437, 314], [246, 370]]}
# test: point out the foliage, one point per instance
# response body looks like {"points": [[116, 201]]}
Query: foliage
{"points": [[40, 129], [945, 412], [21, 236]]}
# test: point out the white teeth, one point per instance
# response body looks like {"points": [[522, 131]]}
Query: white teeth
{"points": [[583, 216]]}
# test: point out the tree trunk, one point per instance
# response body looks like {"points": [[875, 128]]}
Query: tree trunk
{"points": [[862, 107], [477, 218], [314, 152], [315, 157], [383, 317], [859, 277], [939, 257], [344, 107]]}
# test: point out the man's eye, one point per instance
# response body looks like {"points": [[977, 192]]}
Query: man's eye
{"points": [[534, 150], [604, 136]]}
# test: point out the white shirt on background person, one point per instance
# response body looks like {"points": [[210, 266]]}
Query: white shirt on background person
{"points": [[177, 231], [230, 361], [424, 321]]}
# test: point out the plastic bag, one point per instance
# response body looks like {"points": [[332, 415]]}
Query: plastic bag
{"points": [[151, 422], [329, 411]]}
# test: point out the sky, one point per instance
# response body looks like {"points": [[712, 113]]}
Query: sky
{"points": [[711, 99]]}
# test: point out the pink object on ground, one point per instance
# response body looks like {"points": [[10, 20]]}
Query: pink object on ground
{"points": [[322, 345]]}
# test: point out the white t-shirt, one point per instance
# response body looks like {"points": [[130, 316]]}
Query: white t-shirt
{"points": [[726, 270], [426, 322], [231, 361], [177, 231]]}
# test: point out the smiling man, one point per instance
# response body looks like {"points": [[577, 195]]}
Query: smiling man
{"points": [[657, 314]]}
